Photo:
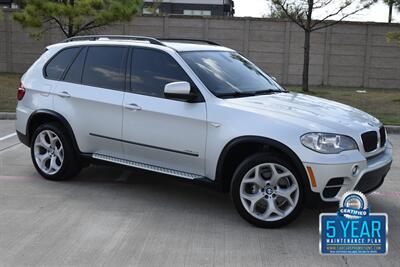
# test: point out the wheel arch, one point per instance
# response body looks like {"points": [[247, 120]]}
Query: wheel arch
{"points": [[41, 116], [254, 144]]}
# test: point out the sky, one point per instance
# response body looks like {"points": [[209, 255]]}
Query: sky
{"points": [[258, 8]]}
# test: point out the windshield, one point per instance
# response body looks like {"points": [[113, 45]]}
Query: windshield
{"points": [[229, 74]]}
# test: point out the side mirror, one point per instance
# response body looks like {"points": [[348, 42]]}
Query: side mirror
{"points": [[179, 90]]}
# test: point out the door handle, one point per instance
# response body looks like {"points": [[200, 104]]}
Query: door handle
{"points": [[63, 94], [132, 106]]}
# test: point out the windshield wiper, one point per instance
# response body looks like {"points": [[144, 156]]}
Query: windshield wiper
{"points": [[235, 94], [268, 91], [250, 93]]}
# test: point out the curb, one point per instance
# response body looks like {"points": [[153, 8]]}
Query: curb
{"points": [[8, 116], [391, 129]]}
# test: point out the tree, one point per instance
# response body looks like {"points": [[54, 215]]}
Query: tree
{"points": [[74, 17], [276, 13], [391, 4], [394, 37], [301, 12]]}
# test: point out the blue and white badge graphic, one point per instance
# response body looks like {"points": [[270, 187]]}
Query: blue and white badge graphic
{"points": [[353, 229], [353, 205]]}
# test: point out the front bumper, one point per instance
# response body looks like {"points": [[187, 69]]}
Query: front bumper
{"points": [[372, 180], [331, 181]]}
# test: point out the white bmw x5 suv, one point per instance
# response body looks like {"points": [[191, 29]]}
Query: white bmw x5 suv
{"points": [[199, 111]]}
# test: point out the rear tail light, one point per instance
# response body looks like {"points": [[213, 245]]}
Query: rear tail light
{"points": [[21, 92]]}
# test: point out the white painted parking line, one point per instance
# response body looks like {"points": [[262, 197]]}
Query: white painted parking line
{"points": [[8, 148], [7, 136], [386, 194]]}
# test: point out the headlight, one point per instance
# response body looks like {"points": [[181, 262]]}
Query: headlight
{"points": [[328, 143]]}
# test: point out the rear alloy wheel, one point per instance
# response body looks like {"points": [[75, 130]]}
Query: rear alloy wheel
{"points": [[49, 152], [52, 152], [266, 191]]}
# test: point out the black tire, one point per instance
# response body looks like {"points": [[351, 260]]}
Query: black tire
{"points": [[70, 166], [238, 176]]}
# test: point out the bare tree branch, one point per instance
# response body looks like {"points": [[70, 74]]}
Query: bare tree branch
{"points": [[95, 26], [337, 21], [60, 24], [298, 21], [322, 4], [84, 27], [332, 14]]}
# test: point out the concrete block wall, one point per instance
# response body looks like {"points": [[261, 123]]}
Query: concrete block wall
{"points": [[348, 54]]}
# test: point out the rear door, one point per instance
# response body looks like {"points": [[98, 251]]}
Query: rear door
{"points": [[90, 97], [156, 130]]}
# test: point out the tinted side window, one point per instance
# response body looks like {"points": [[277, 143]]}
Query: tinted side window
{"points": [[56, 67], [74, 73], [151, 70], [105, 67]]}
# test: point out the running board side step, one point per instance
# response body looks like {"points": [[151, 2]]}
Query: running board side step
{"points": [[147, 167]]}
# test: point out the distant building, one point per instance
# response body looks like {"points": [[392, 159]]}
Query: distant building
{"points": [[8, 4], [5, 3], [192, 7]]}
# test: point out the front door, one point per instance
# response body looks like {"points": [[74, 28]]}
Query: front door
{"points": [[158, 131]]}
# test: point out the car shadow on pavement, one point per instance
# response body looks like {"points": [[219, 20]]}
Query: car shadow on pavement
{"points": [[136, 190]]}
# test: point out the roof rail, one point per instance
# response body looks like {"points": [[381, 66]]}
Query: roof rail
{"points": [[114, 37], [189, 40]]}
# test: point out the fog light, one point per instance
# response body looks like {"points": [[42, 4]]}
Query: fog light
{"points": [[354, 171]]}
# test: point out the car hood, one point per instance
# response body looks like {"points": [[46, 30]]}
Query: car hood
{"points": [[311, 112]]}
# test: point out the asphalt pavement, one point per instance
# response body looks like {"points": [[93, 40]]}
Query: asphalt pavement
{"points": [[116, 217]]}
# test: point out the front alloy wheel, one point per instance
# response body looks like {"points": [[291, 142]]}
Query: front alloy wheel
{"points": [[266, 191], [269, 192]]}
